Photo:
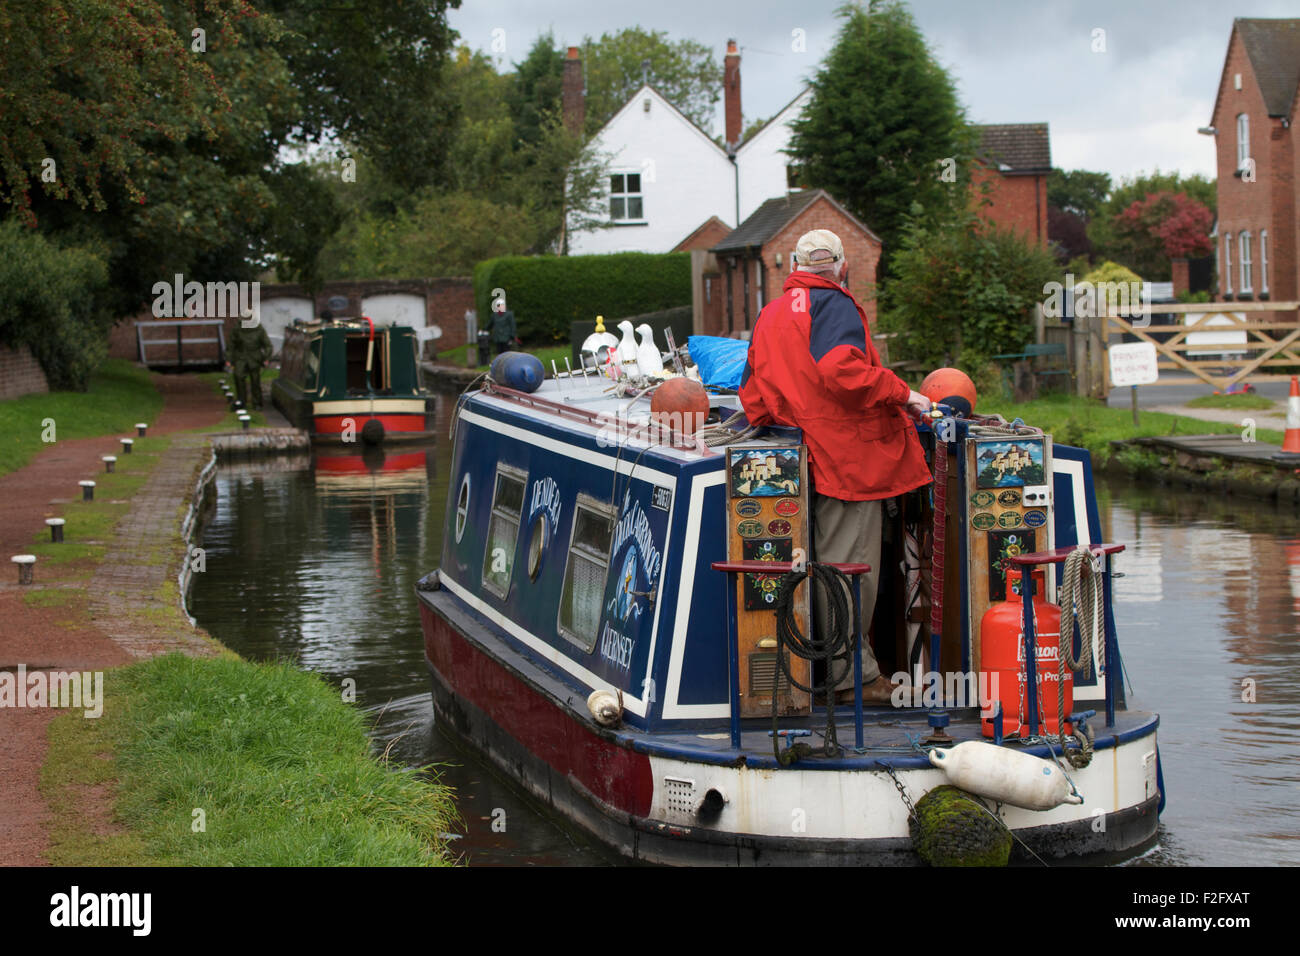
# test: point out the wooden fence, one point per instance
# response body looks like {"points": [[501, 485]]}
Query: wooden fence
{"points": [[1220, 343]]}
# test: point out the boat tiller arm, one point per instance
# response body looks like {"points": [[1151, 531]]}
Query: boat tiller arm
{"points": [[370, 352]]}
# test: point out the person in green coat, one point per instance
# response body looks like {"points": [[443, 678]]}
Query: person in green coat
{"points": [[250, 349], [504, 333]]}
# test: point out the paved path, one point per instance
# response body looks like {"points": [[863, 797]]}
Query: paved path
{"points": [[111, 630]]}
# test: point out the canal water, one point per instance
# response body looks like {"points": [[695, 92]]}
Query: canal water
{"points": [[315, 560]]}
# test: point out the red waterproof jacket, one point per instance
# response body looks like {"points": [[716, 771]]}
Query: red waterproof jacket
{"points": [[812, 365]]}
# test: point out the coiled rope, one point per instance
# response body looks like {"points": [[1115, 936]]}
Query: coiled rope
{"points": [[1083, 590], [838, 644]]}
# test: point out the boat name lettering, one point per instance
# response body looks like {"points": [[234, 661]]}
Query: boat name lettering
{"points": [[636, 525], [546, 497], [616, 648]]}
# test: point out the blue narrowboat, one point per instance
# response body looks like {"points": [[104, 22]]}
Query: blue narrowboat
{"points": [[615, 624]]}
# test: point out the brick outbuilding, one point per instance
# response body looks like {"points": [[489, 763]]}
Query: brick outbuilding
{"points": [[754, 259], [1254, 126], [1014, 161]]}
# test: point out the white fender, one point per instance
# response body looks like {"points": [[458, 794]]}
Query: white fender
{"points": [[1006, 775]]}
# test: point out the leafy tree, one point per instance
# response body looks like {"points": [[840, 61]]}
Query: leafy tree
{"points": [[86, 82], [54, 304], [371, 75], [964, 291], [1159, 227], [534, 92], [1068, 234], [684, 71], [1102, 229], [1078, 191], [884, 132]]}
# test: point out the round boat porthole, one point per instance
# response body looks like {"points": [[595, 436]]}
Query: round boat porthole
{"points": [[537, 546], [462, 508]]}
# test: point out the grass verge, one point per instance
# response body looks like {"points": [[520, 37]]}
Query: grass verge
{"points": [[120, 395], [1089, 424], [222, 762], [552, 353], [1241, 400]]}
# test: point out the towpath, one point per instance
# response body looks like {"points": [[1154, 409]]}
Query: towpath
{"points": [[127, 581]]}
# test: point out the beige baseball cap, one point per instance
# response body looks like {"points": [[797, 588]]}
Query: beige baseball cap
{"points": [[818, 247]]}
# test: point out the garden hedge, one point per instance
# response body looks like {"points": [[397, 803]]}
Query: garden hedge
{"points": [[549, 293]]}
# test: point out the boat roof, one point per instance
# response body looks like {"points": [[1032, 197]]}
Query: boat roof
{"points": [[597, 407]]}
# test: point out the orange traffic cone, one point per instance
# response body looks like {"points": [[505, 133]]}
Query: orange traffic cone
{"points": [[1291, 443]]}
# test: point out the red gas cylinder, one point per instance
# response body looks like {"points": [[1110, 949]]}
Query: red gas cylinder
{"points": [[1002, 660]]}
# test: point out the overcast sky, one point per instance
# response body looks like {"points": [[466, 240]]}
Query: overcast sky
{"points": [[1132, 108]]}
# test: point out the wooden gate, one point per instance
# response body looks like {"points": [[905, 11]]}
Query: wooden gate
{"points": [[1246, 347]]}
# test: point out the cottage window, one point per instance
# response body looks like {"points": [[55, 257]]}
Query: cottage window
{"points": [[1263, 262], [1243, 139], [586, 572], [625, 199], [1244, 239], [1227, 263], [503, 529]]}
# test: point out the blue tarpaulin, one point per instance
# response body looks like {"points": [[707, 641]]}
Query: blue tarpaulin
{"points": [[721, 360]]}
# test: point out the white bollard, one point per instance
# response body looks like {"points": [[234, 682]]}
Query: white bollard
{"points": [[25, 562]]}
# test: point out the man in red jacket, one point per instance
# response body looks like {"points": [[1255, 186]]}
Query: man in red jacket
{"points": [[812, 365]]}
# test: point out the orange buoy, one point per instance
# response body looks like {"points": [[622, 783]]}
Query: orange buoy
{"points": [[945, 383], [680, 404], [1002, 659]]}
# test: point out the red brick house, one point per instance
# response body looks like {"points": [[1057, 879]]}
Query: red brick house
{"points": [[1014, 160], [754, 259], [1254, 127]]}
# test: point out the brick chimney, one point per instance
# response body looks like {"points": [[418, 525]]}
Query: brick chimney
{"points": [[731, 88], [1180, 275], [572, 99]]}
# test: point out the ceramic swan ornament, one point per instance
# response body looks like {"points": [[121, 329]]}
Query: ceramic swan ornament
{"points": [[627, 346], [648, 359]]}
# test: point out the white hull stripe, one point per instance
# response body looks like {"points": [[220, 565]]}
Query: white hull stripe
{"points": [[370, 406]]}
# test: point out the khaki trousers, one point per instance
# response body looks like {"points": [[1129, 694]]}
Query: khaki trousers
{"points": [[849, 531]]}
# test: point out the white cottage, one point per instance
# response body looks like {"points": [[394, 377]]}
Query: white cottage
{"points": [[668, 177]]}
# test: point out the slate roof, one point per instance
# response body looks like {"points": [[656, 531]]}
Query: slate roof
{"points": [[1024, 147], [774, 215], [1274, 50], [767, 220]]}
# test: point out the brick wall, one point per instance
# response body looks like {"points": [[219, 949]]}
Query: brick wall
{"points": [[20, 373], [1267, 203], [1019, 203]]}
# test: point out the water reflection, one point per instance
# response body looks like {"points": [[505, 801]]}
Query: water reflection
{"points": [[314, 558], [1208, 614]]}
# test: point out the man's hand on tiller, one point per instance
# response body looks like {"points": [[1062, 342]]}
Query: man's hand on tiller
{"points": [[917, 404]]}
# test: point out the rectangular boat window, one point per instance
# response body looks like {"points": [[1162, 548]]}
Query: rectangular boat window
{"points": [[503, 529], [586, 572]]}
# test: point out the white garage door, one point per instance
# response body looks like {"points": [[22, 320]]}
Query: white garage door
{"points": [[280, 312]]}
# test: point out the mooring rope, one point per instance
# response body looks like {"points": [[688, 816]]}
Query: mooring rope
{"points": [[839, 644], [1085, 590]]}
